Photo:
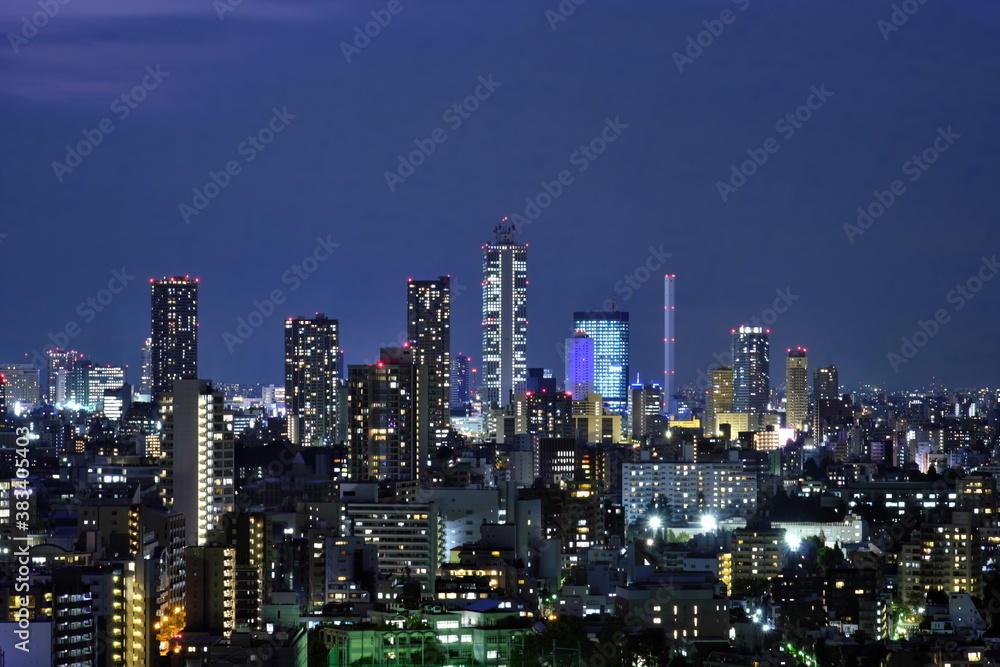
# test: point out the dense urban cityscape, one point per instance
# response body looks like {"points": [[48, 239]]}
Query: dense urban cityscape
{"points": [[508, 333], [421, 510]]}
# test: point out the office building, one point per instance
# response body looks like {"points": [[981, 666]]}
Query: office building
{"points": [[751, 370], [579, 365], [312, 388], [461, 383], [505, 317], [646, 403], [59, 364], [797, 389], [23, 390], [197, 456], [174, 332], [610, 331], [720, 398], [428, 328]]}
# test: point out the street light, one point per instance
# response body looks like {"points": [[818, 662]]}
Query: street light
{"points": [[708, 523]]}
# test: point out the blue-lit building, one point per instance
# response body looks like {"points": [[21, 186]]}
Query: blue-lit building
{"points": [[751, 369], [610, 332], [580, 365]]}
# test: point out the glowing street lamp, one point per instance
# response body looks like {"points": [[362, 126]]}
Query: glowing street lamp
{"points": [[708, 523], [794, 542], [655, 522]]}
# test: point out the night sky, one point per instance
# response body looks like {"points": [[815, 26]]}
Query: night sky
{"points": [[209, 84]]}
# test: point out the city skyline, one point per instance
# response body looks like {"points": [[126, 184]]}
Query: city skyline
{"points": [[652, 193]]}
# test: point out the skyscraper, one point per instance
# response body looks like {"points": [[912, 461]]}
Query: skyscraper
{"points": [[580, 365], [610, 331], [826, 399], [720, 398], [668, 340], [428, 328], [312, 358], [59, 364], [388, 434], [461, 383], [797, 389], [647, 402], [197, 456], [751, 370], [174, 329], [505, 318], [146, 369]]}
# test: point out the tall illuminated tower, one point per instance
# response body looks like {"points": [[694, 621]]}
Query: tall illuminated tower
{"points": [[312, 358], [505, 316], [428, 328], [668, 341], [579, 365], [174, 329], [751, 369], [610, 331], [797, 388]]}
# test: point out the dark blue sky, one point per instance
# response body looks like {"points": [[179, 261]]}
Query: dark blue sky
{"points": [[655, 186]]}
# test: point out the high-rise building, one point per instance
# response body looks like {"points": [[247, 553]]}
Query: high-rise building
{"points": [[646, 403], [826, 399], [23, 390], [668, 341], [610, 331], [59, 364], [580, 365], [197, 456], [428, 328], [146, 369], [388, 434], [87, 382], [797, 389], [174, 329], [461, 383], [720, 398], [505, 316], [751, 370], [312, 387]]}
